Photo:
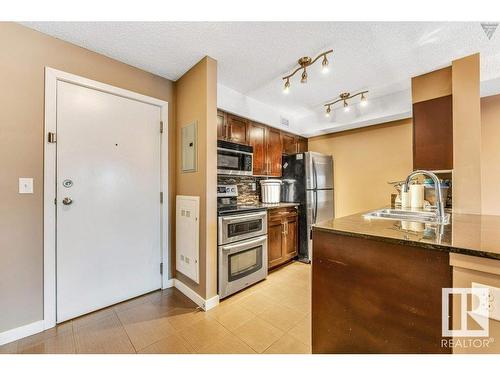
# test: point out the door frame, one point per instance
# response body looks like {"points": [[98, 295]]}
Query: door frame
{"points": [[52, 76]]}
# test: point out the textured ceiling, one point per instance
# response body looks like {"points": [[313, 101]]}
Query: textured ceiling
{"points": [[252, 56]]}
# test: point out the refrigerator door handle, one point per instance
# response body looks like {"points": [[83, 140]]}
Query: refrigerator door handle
{"points": [[314, 206], [315, 174]]}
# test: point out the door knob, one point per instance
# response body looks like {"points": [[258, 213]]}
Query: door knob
{"points": [[67, 201]]}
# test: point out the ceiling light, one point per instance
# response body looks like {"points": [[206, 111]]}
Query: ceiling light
{"points": [[344, 97], [304, 76], [346, 107], [364, 102], [286, 89], [324, 65], [306, 61], [328, 110]]}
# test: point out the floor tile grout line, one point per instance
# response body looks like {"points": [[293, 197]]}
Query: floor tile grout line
{"points": [[74, 335], [125, 330]]}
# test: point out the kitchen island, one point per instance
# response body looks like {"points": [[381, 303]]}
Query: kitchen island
{"points": [[376, 283]]}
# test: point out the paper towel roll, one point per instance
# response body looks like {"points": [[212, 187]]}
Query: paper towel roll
{"points": [[405, 199], [417, 195]]}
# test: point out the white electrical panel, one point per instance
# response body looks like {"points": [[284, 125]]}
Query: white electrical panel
{"points": [[187, 236], [189, 146]]}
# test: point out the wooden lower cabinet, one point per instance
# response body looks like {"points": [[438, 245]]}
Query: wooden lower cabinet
{"points": [[372, 296], [282, 236]]}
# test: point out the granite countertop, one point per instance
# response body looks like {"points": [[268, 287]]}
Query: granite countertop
{"points": [[476, 235]]}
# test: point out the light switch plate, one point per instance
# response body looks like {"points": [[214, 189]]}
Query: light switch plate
{"points": [[493, 300], [25, 185]]}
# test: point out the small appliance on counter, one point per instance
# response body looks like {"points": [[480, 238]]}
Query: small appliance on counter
{"points": [[308, 180], [242, 242], [271, 190]]}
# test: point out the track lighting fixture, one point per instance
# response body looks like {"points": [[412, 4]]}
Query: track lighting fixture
{"points": [[344, 97], [305, 62]]}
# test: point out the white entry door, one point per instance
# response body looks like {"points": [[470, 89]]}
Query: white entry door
{"points": [[108, 199]]}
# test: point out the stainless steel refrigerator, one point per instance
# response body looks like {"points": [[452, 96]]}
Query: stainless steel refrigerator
{"points": [[308, 180]]}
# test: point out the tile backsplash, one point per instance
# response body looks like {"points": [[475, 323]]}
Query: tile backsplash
{"points": [[246, 195]]}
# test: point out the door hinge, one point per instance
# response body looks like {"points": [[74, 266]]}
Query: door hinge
{"points": [[55, 200], [161, 196], [161, 126], [161, 268], [51, 137]]}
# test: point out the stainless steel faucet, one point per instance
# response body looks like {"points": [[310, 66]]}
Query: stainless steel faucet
{"points": [[437, 186]]}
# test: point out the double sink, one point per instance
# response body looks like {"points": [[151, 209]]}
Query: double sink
{"points": [[422, 216]]}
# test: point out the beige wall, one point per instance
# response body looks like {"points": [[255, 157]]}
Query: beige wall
{"points": [[23, 57], [196, 99], [364, 160], [466, 135], [490, 155]]}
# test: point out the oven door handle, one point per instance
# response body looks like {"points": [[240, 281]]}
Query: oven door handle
{"points": [[245, 244], [240, 218]]}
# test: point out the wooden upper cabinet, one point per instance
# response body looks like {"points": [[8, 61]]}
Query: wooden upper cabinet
{"points": [[433, 134], [221, 125], [289, 143], [273, 152], [257, 139], [302, 145], [293, 144], [237, 129]]}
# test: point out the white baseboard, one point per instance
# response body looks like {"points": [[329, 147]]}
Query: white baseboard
{"points": [[21, 332], [211, 302], [168, 284], [195, 297]]}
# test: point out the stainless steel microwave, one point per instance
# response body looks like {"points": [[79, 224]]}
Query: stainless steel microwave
{"points": [[234, 159]]}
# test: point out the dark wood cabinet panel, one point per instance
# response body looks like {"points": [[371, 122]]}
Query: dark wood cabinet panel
{"points": [[221, 125], [257, 139], [360, 305], [433, 134], [302, 145], [274, 151], [282, 234], [289, 143], [291, 237], [275, 231], [237, 129]]}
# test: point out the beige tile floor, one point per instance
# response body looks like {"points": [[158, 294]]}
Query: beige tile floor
{"points": [[273, 316]]}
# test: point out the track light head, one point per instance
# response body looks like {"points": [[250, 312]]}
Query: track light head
{"points": [[286, 89], [346, 106], [364, 102], [304, 76], [328, 110], [324, 65]]}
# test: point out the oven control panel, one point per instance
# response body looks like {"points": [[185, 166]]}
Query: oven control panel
{"points": [[227, 191]]}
